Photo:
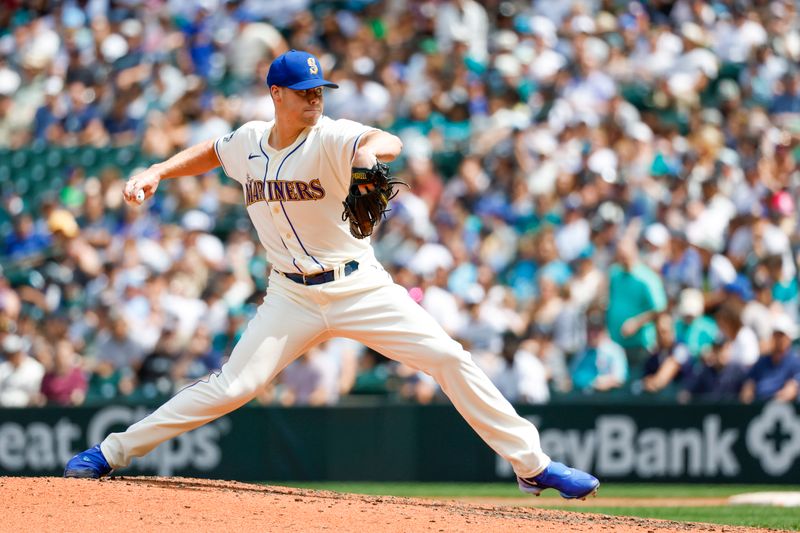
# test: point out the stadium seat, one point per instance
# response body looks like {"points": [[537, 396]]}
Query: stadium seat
{"points": [[54, 158], [21, 185], [19, 159], [38, 172]]}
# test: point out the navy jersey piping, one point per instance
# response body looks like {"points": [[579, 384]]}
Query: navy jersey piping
{"points": [[264, 182], [278, 177], [216, 151]]}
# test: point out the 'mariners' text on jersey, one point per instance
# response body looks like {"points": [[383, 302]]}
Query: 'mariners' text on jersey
{"points": [[283, 191]]}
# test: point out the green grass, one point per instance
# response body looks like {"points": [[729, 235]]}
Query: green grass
{"points": [[740, 515], [734, 515], [509, 490]]}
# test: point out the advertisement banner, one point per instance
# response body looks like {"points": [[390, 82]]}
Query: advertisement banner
{"points": [[672, 443]]}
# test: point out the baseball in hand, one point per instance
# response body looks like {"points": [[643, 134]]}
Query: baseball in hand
{"points": [[139, 196]]}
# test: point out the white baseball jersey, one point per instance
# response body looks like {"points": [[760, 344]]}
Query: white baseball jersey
{"points": [[294, 195]]}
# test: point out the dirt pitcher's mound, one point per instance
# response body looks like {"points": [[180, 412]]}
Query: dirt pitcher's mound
{"points": [[178, 504]]}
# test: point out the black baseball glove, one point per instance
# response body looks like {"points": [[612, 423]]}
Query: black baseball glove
{"points": [[365, 209]]}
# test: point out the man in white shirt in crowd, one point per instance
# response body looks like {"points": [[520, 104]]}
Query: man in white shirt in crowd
{"points": [[20, 375]]}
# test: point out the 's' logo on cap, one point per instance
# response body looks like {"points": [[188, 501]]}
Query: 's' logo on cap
{"points": [[312, 66]]}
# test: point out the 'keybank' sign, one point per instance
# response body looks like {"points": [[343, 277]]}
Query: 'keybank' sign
{"points": [[616, 447], [698, 443], [628, 446]]}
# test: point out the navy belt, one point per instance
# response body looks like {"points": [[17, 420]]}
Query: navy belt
{"points": [[322, 277]]}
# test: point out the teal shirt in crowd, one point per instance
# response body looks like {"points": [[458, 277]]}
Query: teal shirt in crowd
{"points": [[630, 294], [607, 358], [697, 335], [786, 292]]}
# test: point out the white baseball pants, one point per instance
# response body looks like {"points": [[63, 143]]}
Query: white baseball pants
{"points": [[365, 306]]}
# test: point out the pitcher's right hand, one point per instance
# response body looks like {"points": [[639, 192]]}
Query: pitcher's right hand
{"points": [[146, 182]]}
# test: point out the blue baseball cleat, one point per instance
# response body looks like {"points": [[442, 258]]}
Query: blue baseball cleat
{"points": [[88, 464], [571, 483]]}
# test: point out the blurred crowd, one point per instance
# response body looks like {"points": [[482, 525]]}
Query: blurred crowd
{"points": [[602, 204]]}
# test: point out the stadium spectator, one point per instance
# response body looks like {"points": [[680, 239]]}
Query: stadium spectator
{"points": [[635, 296], [667, 364], [569, 328], [758, 315], [197, 359], [528, 370], [117, 345], [716, 378], [25, 242], [10, 304], [360, 97], [744, 343], [478, 332], [115, 359], [157, 375], [787, 99], [14, 122], [441, 303], [682, 268], [20, 374], [300, 382], [465, 23], [311, 380], [717, 269], [372, 375], [693, 328], [785, 288], [65, 383], [588, 282], [549, 305], [81, 124], [543, 141], [602, 365], [774, 376], [754, 315], [541, 344], [48, 118], [120, 125]]}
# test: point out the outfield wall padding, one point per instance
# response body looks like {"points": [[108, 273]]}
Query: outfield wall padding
{"points": [[674, 443]]}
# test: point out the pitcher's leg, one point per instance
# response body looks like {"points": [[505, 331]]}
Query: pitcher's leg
{"points": [[278, 333], [387, 320]]}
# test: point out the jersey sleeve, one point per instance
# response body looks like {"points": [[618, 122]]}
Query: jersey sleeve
{"points": [[340, 139], [233, 150]]}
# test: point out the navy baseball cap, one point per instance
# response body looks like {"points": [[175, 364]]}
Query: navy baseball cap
{"points": [[297, 70]]}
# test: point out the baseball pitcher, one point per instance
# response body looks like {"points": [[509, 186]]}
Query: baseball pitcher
{"points": [[315, 188]]}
